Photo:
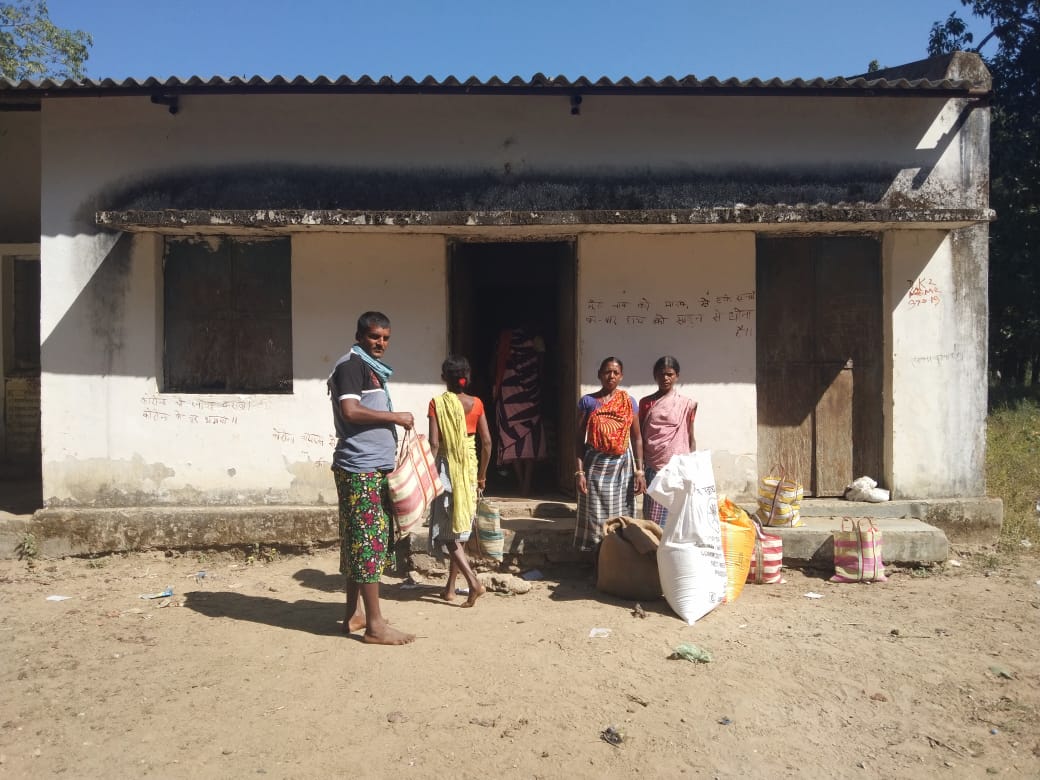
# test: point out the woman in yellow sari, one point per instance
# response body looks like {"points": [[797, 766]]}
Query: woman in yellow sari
{"points": [[455, 418]]}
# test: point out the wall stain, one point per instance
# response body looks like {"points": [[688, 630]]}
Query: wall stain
{"points": [[302, 187], [312, 483], [101, 483], [736, 475]]}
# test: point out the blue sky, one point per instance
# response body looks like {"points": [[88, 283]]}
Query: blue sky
{"points": [[765, 38]]}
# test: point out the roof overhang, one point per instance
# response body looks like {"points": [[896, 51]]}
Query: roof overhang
{"points": [[800, 219]]}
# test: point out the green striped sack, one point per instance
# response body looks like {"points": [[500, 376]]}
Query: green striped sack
{"points": [[489, 530]]}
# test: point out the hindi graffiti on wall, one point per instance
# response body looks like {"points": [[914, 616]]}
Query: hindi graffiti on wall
{"points": [[725, 312], [196, 411], [180, 410]]}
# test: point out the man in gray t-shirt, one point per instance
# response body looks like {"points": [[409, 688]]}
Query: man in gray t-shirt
{"points": [[366, 445]]}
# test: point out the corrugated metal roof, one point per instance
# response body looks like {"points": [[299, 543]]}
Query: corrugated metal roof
{"points": [[538, 84], [953, 74]]}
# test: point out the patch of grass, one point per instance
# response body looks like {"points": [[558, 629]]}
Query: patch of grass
{"points": [[260, 554], [1013, 463], [28, 550]]}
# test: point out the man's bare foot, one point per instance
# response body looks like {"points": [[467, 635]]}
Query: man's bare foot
{"points": [[448, 595], [355, 623], [387, 636], [474, 595]]}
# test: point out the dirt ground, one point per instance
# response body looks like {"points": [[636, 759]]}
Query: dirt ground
{"points": [[244, 672]]}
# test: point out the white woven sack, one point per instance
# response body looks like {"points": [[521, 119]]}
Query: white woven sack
{"points": [[690, 559]]}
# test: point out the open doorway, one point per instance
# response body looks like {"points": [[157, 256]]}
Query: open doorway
{"points": [[493, 289]]}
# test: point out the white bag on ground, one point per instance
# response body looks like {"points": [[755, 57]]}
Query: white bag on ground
{"points": [[865, 489], [690, 559]]}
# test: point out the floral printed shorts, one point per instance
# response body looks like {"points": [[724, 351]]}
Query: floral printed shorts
{"points": [[364, 525]]}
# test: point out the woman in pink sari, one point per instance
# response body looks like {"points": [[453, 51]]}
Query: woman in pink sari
{"points": [[666, 421]]}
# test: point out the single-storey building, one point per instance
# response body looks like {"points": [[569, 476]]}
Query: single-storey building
{"points": [[183, 261]]}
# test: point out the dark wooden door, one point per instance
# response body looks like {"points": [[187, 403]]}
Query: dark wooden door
{"points": [[20, 369], [819, 359]]}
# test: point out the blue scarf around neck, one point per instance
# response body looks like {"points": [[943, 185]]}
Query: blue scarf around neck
{"points": [[381, 369]]}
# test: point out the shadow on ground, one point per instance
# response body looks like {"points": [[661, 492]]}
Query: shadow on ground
{"points": [[321, 618], [316, 579]]}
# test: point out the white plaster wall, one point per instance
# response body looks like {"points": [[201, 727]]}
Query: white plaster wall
{"points": [[129, 136], [693, 297], [935, 424], [111, 437]]}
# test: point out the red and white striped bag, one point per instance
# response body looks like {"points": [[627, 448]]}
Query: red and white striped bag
{"points": [[414, 483], [857, 552], [768, 558]]}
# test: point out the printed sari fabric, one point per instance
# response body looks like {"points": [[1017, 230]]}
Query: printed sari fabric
{"points": [[609, 424], [609, 479], [364, 525], [453, 511], [653, 511], [518, 409]]}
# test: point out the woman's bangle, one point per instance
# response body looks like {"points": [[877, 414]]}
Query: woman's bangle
{"points": [[640, 473], [579, 473]]}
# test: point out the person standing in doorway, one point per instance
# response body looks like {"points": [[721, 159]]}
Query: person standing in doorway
{"points": [[517, 393], [366, 447]]}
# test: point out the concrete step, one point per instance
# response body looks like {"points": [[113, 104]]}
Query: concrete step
{"points": [[531, 542], [963, 520], [538, 531], [905, 540]]}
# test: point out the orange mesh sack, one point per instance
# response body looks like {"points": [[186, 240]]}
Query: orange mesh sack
{"points": [[738, 545]]}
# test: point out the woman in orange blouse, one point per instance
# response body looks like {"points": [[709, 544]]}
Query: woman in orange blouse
{"points": [[455, 417]]}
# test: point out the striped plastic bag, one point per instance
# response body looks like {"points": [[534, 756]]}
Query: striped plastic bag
{"points": [[779, 499], [414, 483], [768, 558], [488, 528], [857, 552]]}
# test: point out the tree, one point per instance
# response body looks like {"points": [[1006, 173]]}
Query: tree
{"points": [[1014, 275], [32, 46]]}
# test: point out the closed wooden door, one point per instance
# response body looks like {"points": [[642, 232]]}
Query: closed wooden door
{"points": [[819, 359]]}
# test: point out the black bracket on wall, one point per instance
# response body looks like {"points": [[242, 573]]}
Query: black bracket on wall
{"points": [[168, 100]]}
